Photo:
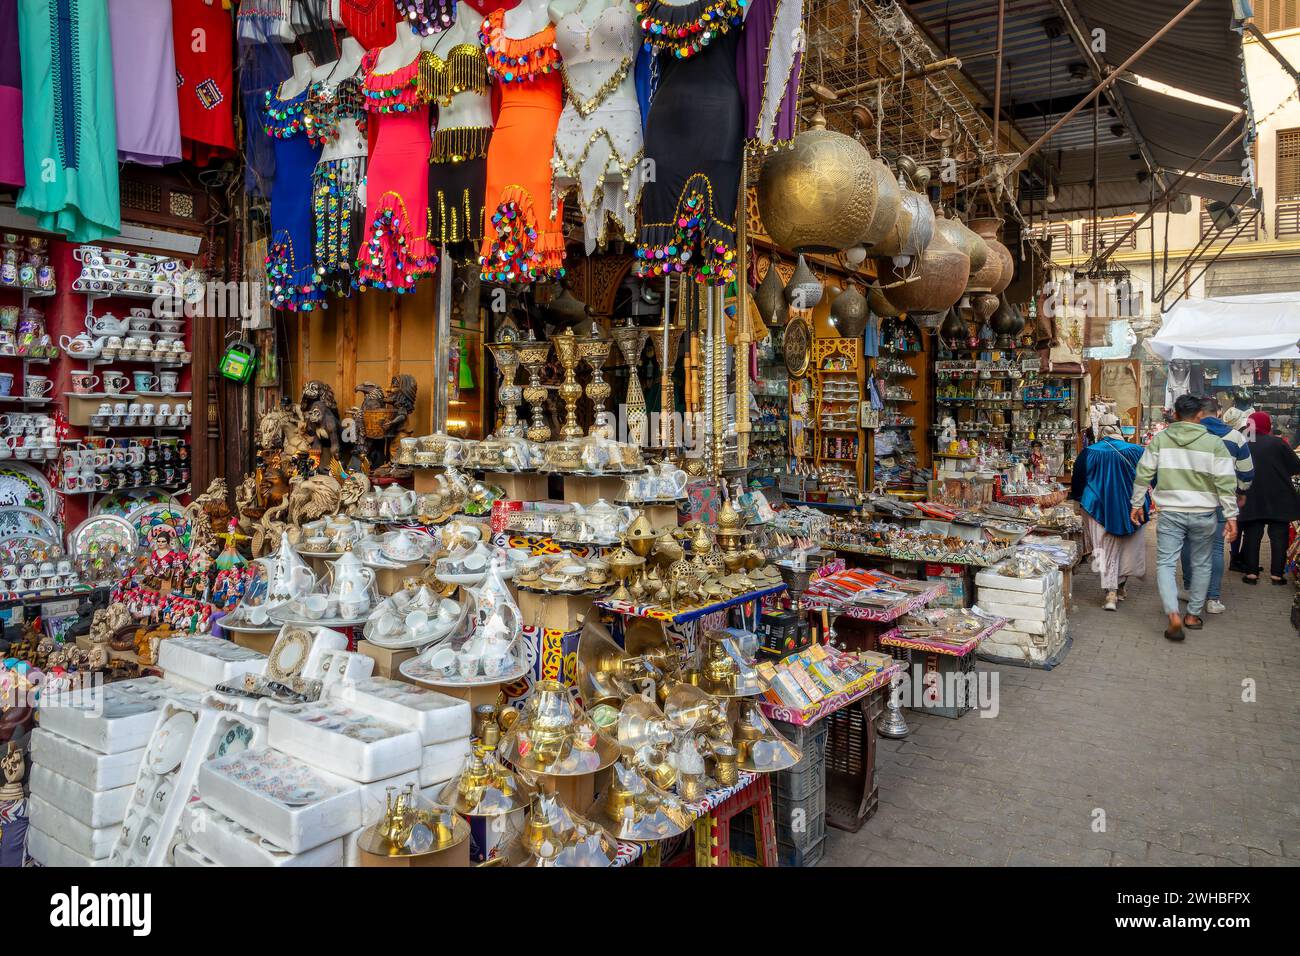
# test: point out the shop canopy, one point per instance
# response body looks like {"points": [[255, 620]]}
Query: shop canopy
{"points": [[1265, 325]]}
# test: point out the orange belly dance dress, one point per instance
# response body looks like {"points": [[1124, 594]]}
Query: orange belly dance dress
{"points": [[396, 252], [522, 241]]}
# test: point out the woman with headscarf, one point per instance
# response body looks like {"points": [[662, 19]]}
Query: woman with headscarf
{"points": [[1102, 482], [1235, 418], [1272, 502]]}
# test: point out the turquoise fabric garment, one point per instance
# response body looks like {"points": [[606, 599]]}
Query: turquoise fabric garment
{"points": [[1109, 466], [70, 156]]}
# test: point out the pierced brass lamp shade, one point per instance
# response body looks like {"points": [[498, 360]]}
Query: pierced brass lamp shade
{"points": [[769, 298], [820, 194], [804, 290], [943, 271], [632, 808], [556, 737], [849, 313]]}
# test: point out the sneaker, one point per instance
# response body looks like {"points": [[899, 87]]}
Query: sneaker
{"points": [[1214, 607], [1110, 602]]}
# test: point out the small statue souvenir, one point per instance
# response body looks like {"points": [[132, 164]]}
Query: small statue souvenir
{"points": [[320, 410], [382, 417], [13, 767]]}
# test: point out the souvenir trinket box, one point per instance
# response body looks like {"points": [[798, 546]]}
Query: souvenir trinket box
{"points": [[91, 843], [227, 843], [347, 742], [294, 806], [50, 852], [113, 718], [438, 718], [70, 759], [208, 661], [94, 808]]}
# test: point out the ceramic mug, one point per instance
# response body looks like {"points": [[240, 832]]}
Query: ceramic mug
{"points": [[38, 386], [83, 382], [6, 383], [145, 382], [167, 381], [116, 382]]}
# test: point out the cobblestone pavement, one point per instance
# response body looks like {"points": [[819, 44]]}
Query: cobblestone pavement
{"points": [[1154, 734]]}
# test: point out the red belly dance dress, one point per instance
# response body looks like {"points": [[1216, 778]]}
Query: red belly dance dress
{"points": [[397, 251], [521, 241]]}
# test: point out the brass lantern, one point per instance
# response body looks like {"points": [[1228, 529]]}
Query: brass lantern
{"points": [[769, 297], [849, 313], [937, 283], [987, 229], [820, 194]]}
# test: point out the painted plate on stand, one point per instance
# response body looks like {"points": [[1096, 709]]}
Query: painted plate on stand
{"points": [[15, 521], [123, 502], [101, 531], [28, 547], [22, 486], [147, 517]]}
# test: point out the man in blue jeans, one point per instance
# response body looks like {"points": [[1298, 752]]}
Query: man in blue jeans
{"points": [[1190, 476], [1245, 470]]}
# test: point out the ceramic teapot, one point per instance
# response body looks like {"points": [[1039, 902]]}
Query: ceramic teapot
{"points": [[287, 574], [671, 481], [82, 344], [352, 584], [606, 521], [106, 324], [396, 502]]}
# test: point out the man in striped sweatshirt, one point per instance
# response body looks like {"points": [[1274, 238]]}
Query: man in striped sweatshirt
{"points": [[1240, 450], [1193, 475]]}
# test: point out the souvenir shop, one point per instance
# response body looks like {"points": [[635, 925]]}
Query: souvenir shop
{"points": [[501, 433]]}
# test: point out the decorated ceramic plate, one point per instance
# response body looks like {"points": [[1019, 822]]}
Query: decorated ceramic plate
{"points": [[147, 517], [100, 532], [123, 502], [170, 743], [28, 547], [26, 521], [22, 486]]}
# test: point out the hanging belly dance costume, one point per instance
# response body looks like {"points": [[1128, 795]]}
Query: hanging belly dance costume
{"points": [[600, 145], [290, 270], [336, 201], [397, 253], [458, 160], [426, 17], [694, 137], [521, 242]]}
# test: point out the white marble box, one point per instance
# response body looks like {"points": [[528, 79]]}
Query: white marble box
{"points": [[94, 770], [443, 761], [94, 844], [291, 804], [109, 719], [94, 808], [47, 851], [226, 843], [207, 660], [344, 741], [438, 717]]}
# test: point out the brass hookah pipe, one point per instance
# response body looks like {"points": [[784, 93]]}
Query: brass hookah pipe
{"points": [[744, 331]]}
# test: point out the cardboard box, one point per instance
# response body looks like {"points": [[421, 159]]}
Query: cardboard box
{"points": [[386, 661], [559, 612], [585, 489], [262, 643], [518, 487]]}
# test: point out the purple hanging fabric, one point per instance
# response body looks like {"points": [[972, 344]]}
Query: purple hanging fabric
{"points": [[768, 64]]}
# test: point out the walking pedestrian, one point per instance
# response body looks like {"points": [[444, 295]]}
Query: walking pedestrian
{"points": [[1102, 483], [1234, 417], [1271, 504], [1192, 475], [1240, 450]]}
